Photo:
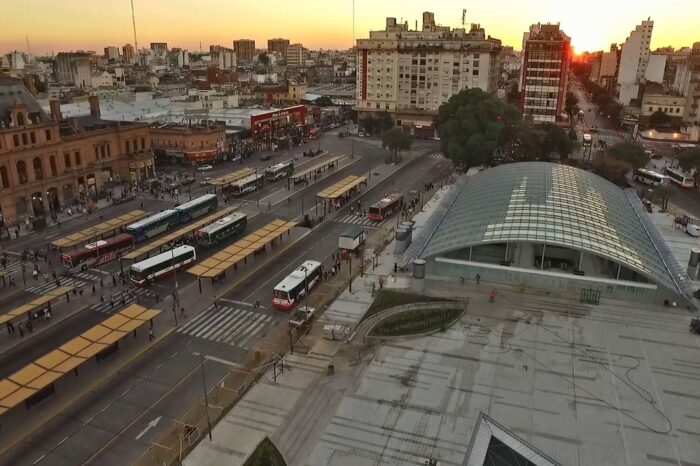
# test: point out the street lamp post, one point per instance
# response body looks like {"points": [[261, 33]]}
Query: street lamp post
{"points": [[206, 396], [176, 295]]}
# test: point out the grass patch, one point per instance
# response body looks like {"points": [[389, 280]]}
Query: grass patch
{"points": [[415, 322], [266, 455], [386, 299]]}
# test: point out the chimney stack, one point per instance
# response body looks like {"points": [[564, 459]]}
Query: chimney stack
{"points": [[55, 106], [94, 106]]}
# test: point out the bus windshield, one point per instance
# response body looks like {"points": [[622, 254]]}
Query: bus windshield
{"points": [[280, 294]]}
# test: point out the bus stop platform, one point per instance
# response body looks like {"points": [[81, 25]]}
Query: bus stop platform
{"points": [[98, 231]]}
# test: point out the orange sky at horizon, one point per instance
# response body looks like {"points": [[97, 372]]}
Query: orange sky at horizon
{"points": [[90, 25]]}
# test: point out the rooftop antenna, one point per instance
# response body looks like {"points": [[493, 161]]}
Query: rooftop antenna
{"points": [[28, 50], [464, 16], [133, 20]]}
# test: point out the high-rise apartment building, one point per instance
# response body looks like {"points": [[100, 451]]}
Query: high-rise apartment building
{"points": [[544, 72], [112, 53], [159, 47], [222, 57], [634, 58], [411, 73], [245, 50], [295, 55], [73, 68], [689, 86], [128, 54], [278, 46], [609, 63]]}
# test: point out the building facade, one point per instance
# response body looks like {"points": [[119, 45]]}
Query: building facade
{"points": [[544, 73], [409, 74], [245, 50], [112, 53], [295, 55], [278, 46], [222, 57], [609, 63], [671, 105], [128, 54], [634, 58], [47, 163], [73, 68], [190, 144]]}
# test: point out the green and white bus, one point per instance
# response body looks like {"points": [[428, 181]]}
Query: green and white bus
{"points": [[223, 228], [248, 184]]}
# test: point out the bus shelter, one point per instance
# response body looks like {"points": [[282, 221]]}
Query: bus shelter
{"points": [[158, 244], [35, 381], [226, 181], [255, 243], [340, 193], [34, 304], [98, 231], [313, 171]]}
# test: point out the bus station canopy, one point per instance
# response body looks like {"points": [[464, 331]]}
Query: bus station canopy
{"points": [[31, 305], [158, 243], [38, 375], [96, 231], [319, 166], [240, 250], [232, 177], [341, 187]]}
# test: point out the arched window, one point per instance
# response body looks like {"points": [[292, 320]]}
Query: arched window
{"points": [[38, 169], [21, 171], [20, 206], [4, 177], [54, 168]]}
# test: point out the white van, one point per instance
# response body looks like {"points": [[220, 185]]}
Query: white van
{"points": [[692, 229]]}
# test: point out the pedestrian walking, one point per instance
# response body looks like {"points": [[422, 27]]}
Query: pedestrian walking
{"points": [[151, 335], [492, 296], [123, 300], [30, 326], [21, 330], [157, 297], [80, 291], [114, 280], [396, 267], [35, 274], [93, 289], [478, 278], [111, 302], [381, 282], [47, 315], [182, 313], [10, 327]]}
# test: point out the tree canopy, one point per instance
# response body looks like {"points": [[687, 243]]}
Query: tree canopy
{"points": [[689, 160], [630, 153], [323, 101], [612, 169], [571, 105], [263, 59], [473, 124], [397, 140]]}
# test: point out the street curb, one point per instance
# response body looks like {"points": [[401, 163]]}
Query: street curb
{"points": [[76, 396]]}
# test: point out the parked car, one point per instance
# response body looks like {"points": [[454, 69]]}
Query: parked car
{"points": [[205, 168], [187, 181], [267, 156], [205, 181]]}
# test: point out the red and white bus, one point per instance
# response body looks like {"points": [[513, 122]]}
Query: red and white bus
{"points": [[382, 209], [99, 252], [147, 271], [295, 286]]}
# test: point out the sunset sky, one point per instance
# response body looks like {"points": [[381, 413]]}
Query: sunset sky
{"points": [[60, 25]]}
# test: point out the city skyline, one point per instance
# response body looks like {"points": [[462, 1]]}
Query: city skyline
{"points": [[89, 26]]}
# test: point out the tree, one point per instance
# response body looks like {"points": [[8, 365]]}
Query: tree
{"points": [[555, 140], [659, 119], [689, 159], [631, 153], [612, 169], [473, 124], [370, 124], [571, 105], [263, 59], [324, 101], [661, 194], [397, 140], [384, 121]]}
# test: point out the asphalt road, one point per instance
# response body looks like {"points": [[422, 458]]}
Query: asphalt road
{"points": [[116, 422]]}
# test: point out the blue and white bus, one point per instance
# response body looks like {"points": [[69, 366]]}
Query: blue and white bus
{"points": [[150, 269], [154, 225], [197, 207]]}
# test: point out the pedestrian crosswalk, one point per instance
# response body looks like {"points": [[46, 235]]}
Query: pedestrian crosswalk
{"points": [[437, 156], [360, 220], [228, 325], [114, 302], [41, 286]]}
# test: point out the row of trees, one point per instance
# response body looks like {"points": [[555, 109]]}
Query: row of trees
{"points": [[477, 128]]}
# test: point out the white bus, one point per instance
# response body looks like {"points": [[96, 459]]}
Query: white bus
{"points": [[223, 228], [650, 177], [248, 184], [295, 286], [678, 177], [150, 269], [587, 139], [279, 171]]}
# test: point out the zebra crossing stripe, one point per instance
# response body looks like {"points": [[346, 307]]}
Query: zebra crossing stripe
{"points": [[44, 287], [202, 320], [240, 329], [222, 331], [255, 330], [229, 317]]}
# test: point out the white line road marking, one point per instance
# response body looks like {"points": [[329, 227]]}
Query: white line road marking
{"points": [[149, 426], [222, 361]]}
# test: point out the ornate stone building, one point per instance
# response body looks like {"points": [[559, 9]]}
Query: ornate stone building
{"points": [[47, 162]]}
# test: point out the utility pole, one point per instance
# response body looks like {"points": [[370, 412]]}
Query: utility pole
{"points": [[206, 398], [133, 20]]}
